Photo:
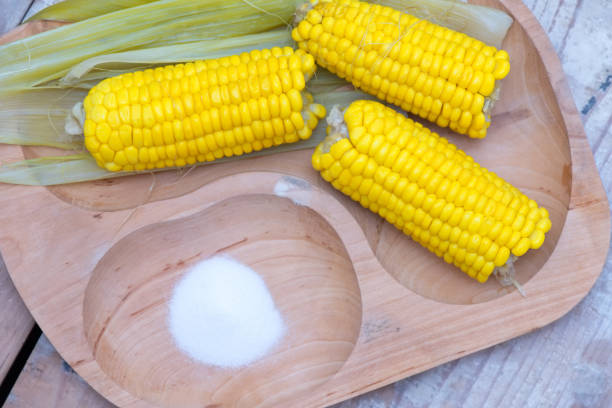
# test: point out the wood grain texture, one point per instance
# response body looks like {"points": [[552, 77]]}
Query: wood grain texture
{"points": [[536, 369], [125, 303]]}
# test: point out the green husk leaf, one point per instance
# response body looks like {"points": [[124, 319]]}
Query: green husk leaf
{"points": [[52, 170], [38, 117], [50, 55], [486, 24], [55, 170], [103, 66], [78, 10]]}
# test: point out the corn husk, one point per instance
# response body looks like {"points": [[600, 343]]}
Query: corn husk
{"points": [[79, 10], [99, 67], [486, 24], [79, 167], [37, 118], [31, 121], [48, 56]]}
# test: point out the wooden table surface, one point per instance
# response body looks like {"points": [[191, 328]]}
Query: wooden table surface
{"points": [[565, 364]]}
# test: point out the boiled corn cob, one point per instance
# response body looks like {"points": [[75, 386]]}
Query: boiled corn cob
{"points": [[441, 75], [429, 189], [182, 114]]}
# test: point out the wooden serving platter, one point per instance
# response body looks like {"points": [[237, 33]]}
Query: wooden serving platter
{"points": [[364, 305]]}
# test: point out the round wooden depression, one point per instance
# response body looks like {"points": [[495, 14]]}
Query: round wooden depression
{"points": [[295, 251]]}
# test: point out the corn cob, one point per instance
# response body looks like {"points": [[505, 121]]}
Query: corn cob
{"points": [[182, 114], [429, 189], [441, 75]]}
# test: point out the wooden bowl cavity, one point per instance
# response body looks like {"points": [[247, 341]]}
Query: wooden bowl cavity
{"points": [[528, 146], [304, 265]]}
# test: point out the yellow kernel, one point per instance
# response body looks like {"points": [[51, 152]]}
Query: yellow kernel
{"points": [[304, 133], [543, 225], [304, 29], [171, 152], [490, 252], [112, 166], [89, 127], [114, 142], [518, 222], [528, 228], [155, 137], [297, 120], [505, 235], [107, 153], [514, 239], [120, 159], [295, 99], [479, 263], [110, 101], [103, 132], [460, 256], [125, 135], [470, 258], [488, 84], [131, 153], [509, 216], [92, 144], [314, 17], [537, 239], [161, 152], [502, 68], [181, 149], [143, 155], [136, 115], [521, 247], [99, 114], [502, 256]]}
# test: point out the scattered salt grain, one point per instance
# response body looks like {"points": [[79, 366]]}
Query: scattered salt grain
{"points": [[295, 189], [221, 313]]}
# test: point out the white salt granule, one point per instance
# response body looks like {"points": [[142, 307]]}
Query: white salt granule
{"points": [[221, 313], [295, 189]]}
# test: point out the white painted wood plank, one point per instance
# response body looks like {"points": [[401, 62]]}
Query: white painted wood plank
{"points": [[16, 11], [13, 12], [15, 321], [48, 382]]}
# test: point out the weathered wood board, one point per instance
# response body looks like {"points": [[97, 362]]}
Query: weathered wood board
{"points": [[47, 381], [15, 321]]}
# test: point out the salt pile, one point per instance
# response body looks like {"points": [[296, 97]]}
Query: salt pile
{"points": [[221, 313]]}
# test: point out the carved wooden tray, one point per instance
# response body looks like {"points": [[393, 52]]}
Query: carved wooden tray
{"points": [[364, 305]]}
